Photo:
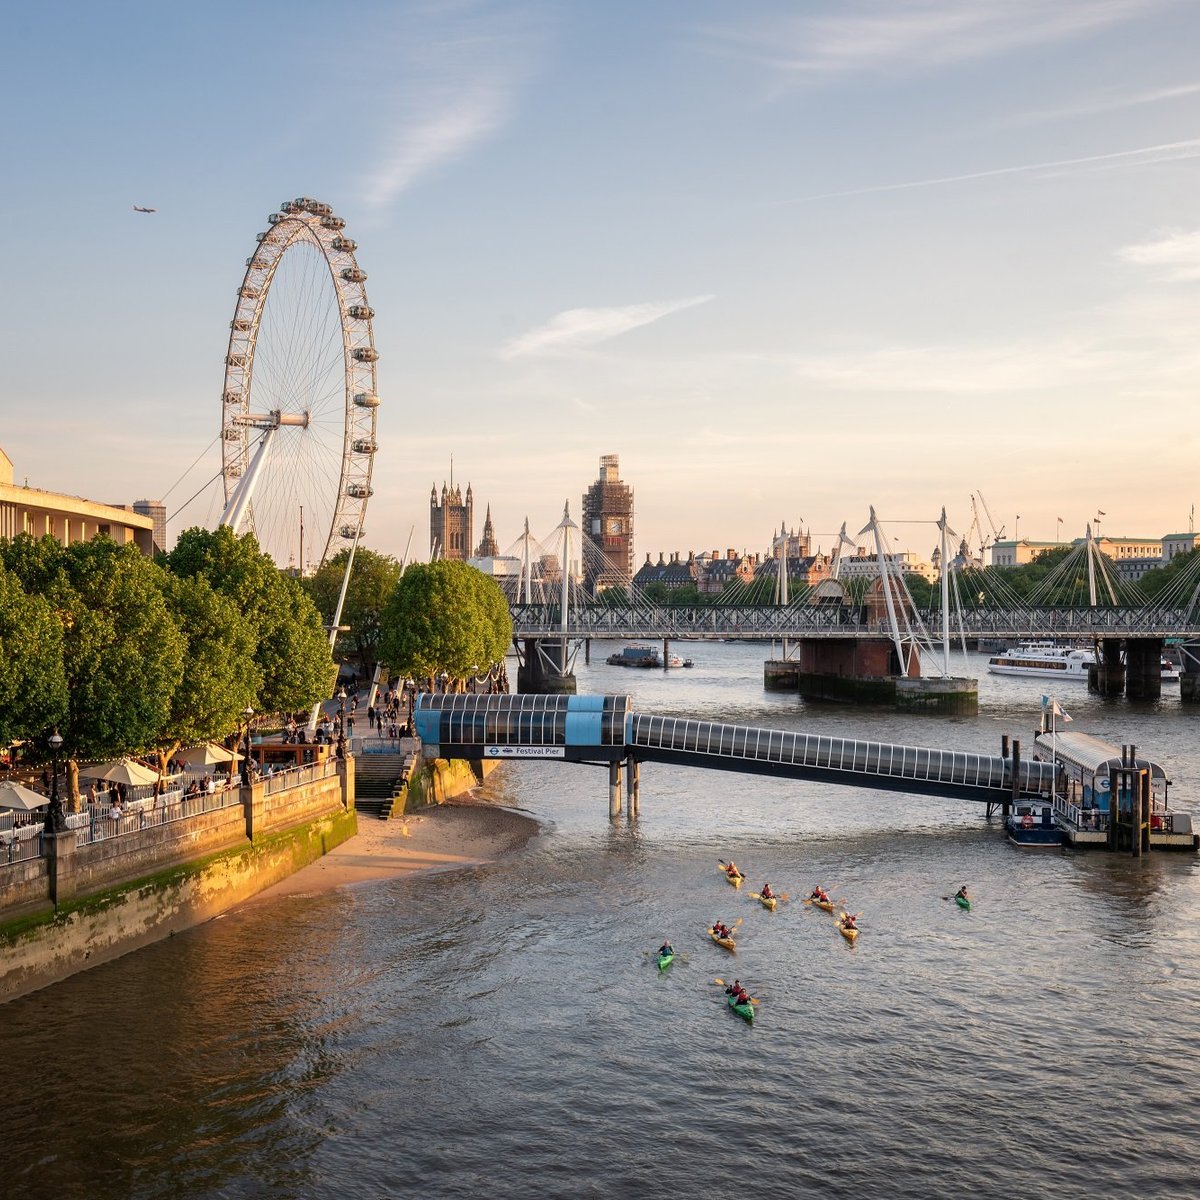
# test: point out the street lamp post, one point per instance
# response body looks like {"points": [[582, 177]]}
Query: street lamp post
{"points": [[56, 819], [341, 740], [247, 713]]}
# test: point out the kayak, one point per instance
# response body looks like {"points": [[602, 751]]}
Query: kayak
{"points": [[665, 960], [726, 942], [745, 1011], [963, 902], [851, 935], [823, 905], [736, 880], [766, 901]]}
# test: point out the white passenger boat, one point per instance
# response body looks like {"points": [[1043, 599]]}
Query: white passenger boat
{"points": [[1043, 659], [1049, 661]]}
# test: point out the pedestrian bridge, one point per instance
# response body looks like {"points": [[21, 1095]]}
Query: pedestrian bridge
{"points": [[606, 730]]}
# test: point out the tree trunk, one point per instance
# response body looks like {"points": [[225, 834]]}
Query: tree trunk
{"points": [[73, 804]]}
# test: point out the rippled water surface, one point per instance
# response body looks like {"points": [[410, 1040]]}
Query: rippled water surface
{"points": [[502, 1031]]}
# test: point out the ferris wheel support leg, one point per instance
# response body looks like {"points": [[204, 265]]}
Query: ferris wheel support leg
{"points": [[239, 502], [337, 619]]}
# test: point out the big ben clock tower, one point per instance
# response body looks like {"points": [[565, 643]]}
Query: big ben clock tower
{"points": [[608, 522]]}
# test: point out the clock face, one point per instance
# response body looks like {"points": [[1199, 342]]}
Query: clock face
{"points": [[615, 525]]}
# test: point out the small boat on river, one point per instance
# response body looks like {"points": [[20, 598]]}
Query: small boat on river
{"points": [[745, 1011], [635, 656], [1031, 824]]}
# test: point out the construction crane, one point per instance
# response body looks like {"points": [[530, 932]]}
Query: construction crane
{"points": [[997, 534]]}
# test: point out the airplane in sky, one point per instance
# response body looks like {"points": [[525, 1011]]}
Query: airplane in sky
{"points": [[139, 208]]}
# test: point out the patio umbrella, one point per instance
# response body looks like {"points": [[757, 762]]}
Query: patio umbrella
{"points": [[207, 755], [124, 770], [21, 798]]}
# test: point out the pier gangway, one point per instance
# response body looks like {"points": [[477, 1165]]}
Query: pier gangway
{"points": [[606, 730]]}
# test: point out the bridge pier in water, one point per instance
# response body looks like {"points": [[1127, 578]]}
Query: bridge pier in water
{"points": [[614, 790], [633, 786], [545, 668], [1132, 666], [866, 671], [1189, 679]]}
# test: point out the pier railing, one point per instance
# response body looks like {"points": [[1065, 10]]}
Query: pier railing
{"points": [[99, 822], [290, 777], [20, 843]]}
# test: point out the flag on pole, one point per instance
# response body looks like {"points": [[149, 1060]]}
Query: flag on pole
{"points": [[1052, 706]]}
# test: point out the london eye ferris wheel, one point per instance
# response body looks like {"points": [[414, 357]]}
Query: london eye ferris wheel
{"points": [[299, 403]]}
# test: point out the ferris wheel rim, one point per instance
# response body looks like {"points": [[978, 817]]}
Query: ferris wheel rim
{"points": [[310, 223]]}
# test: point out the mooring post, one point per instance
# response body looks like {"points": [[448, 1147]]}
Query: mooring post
{"points": [[587, 651], [633, 785], [1006, 807], [1114, 798], [614, 789], [1146, 810], [1135, 814]]}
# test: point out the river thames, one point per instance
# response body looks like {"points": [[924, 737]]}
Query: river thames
{"points": [[502, 1031]]}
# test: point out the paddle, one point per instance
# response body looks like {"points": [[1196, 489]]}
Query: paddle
{"points": [[753, 999]]}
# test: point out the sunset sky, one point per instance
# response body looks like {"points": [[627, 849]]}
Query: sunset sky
{"points": [[786, 259]]}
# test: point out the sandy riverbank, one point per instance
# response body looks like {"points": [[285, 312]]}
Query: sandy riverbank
{"points": [[458, 834]]}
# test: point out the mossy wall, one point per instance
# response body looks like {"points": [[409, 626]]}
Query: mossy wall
{"points": [[434, 781], [42, 949]]}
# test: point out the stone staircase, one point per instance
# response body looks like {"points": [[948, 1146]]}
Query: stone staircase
{"points": [[380, 779]]}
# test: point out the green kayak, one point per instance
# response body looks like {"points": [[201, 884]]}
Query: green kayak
{"points": [[963, 902], [665, 960], [745, 1011]]}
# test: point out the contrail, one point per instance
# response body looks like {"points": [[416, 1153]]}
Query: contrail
{"points": [[1186, 149]]}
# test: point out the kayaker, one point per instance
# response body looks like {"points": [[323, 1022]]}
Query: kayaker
{"points": [[722, 931], [732, 871], [848, 921], [766, 892], [733, 988], [666, 949], [961, 894], [819, 893]]}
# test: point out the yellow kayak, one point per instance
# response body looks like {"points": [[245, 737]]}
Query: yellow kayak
{"points": [[848, 932], [823, 905], [766, 901], [736, 880], [726, 942]]}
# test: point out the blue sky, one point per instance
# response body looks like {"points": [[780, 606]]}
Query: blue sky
{"points": [[787, 260]]}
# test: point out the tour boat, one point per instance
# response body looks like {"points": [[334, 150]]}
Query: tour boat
{"points": [[635, 656], [1031, 823], [1049, 661]]}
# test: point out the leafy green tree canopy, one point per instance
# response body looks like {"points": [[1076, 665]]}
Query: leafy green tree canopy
{"points": [[290, 648], [33, 683], [445, 616], [372, 582]]}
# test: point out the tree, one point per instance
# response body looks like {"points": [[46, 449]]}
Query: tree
{"points": [[33, 683], [290, 649], [122, 651], [372, 581], [220, 677], [445, 617]]}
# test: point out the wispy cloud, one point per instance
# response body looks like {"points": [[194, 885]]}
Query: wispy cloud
{"points": [[885, 34], [578, 328], [462, 66], [1175, 257], [1141, 156], [1108, 103]]}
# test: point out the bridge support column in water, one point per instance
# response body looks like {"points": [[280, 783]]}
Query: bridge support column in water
{"points": [[614, 790], [544, 669], [1108, 675], [633, 785], [1143, 668], [1189, 680]]}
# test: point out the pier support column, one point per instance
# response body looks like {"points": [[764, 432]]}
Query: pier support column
{"points": [[666, 654], [614, 789], [1108, 675], [633, 785], [1006, 808], [1143, 668], [587, 652]]}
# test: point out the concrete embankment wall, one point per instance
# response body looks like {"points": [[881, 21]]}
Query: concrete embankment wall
{"points": [[119, 894], [434, 781]]}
